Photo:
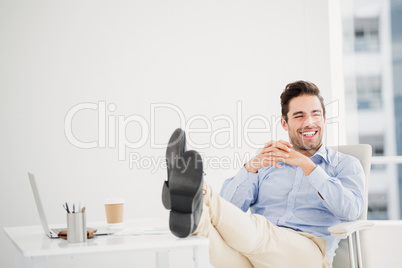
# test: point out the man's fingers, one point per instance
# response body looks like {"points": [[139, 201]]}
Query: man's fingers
{"points": [[273, 161], [269, 144], [284, 145], [274, 152]]}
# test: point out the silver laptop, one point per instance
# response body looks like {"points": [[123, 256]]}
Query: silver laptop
{"points": [[53, 233]]}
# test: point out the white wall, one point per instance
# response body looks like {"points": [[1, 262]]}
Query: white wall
{"points": [[386, 244], [204, 58]]}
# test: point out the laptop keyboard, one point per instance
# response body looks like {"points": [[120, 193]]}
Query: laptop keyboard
{"points": [[57, 230]]}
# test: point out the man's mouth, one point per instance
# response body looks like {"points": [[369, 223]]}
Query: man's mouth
{"points": [[309, 133]]}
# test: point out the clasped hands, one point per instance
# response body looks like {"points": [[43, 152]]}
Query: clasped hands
{"points": [[279, 151]]}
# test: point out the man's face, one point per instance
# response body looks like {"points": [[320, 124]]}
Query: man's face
{"points": [[305, 124]]}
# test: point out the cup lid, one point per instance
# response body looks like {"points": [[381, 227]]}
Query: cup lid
{"points": [[115, 200]]}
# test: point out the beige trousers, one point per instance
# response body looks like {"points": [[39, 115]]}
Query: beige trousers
{"points": [[237, 239]]}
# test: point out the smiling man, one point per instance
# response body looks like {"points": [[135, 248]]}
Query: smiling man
{"points": [[294, 190]]}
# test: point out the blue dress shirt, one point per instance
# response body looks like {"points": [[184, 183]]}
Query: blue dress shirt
{"points": [[288, 198]]}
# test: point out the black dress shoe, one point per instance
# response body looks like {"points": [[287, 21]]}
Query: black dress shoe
{"points": [[182, 192], [185, 187], [174, 153]]}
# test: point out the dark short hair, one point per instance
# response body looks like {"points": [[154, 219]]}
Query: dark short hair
{"points": [[296, 89]]}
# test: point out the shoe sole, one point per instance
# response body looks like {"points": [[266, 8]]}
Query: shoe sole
{"points": [[185, 187], [175, 150]]}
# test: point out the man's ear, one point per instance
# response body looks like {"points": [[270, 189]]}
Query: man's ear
{"points": [[284, 124]]}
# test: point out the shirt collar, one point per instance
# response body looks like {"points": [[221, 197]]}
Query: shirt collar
{"points": [[322, 153]]}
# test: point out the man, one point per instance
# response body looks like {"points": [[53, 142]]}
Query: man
{"points": [[295, 190]]}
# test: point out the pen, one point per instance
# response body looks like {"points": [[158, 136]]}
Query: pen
{"points": [[68, 210], [78, 210]]}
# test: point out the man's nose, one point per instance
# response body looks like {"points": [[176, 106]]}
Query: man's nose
{"points": [[308, 121]]}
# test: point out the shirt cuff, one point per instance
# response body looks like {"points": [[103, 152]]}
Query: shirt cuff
{"points": [[317, 177], [243, 175], [229, 187]]}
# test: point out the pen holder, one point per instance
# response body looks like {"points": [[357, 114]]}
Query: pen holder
{"points": [[76, 227]]}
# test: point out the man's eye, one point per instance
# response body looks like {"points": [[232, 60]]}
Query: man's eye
{"points": [[299, 116]]}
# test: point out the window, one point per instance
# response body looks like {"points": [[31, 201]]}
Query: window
{"points": [[377, 206], [373, 102], [376, 142], [368, 92], [366, 34]]}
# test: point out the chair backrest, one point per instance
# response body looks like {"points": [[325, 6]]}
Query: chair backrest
{"points": [[363, 152]]}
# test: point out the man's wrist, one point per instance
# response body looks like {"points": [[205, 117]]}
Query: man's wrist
{"points": [[308, 166], [249, 167]]}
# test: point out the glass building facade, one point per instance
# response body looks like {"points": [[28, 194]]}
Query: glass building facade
{"points": [[372, 34]]}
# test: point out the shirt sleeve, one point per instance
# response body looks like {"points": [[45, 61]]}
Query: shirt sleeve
{"points": [[342, 194], [242, 189]]}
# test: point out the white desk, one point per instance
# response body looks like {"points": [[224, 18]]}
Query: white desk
{"points": [[31, 242]]}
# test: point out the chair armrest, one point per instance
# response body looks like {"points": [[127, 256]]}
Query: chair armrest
{"points": [[347, 228]]}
